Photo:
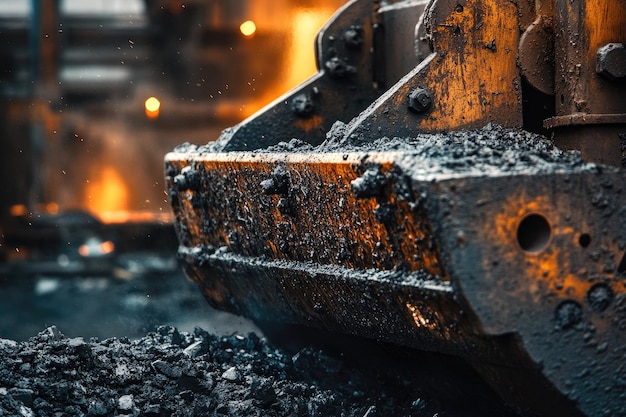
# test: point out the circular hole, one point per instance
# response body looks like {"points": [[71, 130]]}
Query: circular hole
{"points": [[584, 240], [533, 233]]}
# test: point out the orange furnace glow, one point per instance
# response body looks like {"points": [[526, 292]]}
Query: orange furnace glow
{"points": [[248, 28], [152, 107]]}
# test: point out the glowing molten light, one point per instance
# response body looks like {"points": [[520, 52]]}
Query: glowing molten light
{"points": [[52, 208], [247, 28], [94, 247], [107, 194], [153, 107], [19, 210], [301, 60]]}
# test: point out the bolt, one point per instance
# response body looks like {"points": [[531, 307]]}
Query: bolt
{"points": [[302, 105], [611, 61], [420, 100], [353, 36], [568, 314], [599, 297], [338, 68]]}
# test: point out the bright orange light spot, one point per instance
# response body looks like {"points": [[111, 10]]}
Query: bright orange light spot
{"points": [[153, 107], [108, 193], [107, 247], [299, 62], [248, 28], [93, 247], [52, 208], [83, 250], [18, 210]]}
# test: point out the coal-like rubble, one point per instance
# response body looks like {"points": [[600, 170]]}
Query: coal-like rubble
{"points": [[174, 373]]}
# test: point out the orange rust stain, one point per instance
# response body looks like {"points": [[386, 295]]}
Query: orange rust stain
{"points": [[328, 186], [605, 21], [474, 78], [310, 123], [512, 213], [371, 231], [549, 269]]}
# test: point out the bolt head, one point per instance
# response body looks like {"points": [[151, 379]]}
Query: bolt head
{"points": [[420, 100], [353, 36], [339, 68], [302, 105], [611, 61]]}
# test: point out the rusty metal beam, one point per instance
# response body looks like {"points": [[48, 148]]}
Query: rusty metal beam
{"points": [[423, 250]]}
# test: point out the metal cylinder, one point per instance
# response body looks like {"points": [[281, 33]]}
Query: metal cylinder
{"points": [[590, 107]]}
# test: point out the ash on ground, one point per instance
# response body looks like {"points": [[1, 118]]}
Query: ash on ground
{"points": [[132, 347], [173, 373], [111, 363]]}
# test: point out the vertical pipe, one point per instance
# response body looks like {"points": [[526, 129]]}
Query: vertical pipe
{"points": [[590, 109]]}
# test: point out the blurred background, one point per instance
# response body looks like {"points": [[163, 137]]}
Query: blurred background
{"points": [[93, 94]]}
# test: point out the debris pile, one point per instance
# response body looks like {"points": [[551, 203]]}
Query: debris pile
{"points": [[173, 373]]}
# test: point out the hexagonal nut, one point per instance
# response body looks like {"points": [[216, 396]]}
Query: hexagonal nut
{"points": [[420, 100], [611, 61]]}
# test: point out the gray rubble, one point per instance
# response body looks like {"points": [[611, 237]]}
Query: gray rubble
{"points": [[173, 373]]}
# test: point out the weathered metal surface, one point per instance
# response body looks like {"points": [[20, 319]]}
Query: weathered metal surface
{"points": [[536, 48], [600, 143], [563, 294], [471, 75], [444, 247], [398, 51], [261, 219], [583, 28]]}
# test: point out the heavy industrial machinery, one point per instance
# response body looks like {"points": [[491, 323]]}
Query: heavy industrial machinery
{"points": [[404, 193]]}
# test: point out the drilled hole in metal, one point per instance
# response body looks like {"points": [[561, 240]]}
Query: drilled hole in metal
{"points": [[533, 233], [584, 240]]}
